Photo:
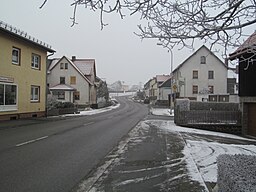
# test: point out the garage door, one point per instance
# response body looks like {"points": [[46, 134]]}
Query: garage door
{"points": [[252, 119]]}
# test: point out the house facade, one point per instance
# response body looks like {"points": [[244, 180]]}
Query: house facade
{"points": [[201, 76], [153, 89], [22, 74], [72, 80], [147, 88], [165, 90], [246, 56], [159, 91]]}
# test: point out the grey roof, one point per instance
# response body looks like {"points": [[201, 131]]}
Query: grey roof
{"points": [[167, 83], [62, 87], [162, 78], [86, 66], [57, 60]]}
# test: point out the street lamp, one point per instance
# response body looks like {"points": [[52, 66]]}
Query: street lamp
{"points": [[171, 64]]}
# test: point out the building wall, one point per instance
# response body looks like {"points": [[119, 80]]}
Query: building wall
{"points": [[185, 73], [23, 75], [164, 93], [81, 84]]}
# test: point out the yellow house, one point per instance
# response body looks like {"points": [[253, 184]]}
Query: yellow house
{"points": [[22, 74]]}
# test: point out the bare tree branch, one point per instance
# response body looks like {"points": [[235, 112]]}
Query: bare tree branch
{"points": [[45, 1], [172, 22]]}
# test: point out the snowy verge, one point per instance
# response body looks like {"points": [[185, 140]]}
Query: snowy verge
{"points": [[201, 152], [93, 111], [161, 111]]}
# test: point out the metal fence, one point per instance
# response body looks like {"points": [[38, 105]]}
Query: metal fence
{"points": [[222, 121], [209, 117]]}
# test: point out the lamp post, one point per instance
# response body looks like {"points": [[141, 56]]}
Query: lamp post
{"points": [[171, 65]]}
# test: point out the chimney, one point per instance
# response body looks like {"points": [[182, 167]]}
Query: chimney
{"points": [[73, 58]]}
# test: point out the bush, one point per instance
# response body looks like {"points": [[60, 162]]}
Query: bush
{"points": [[52, 103]]}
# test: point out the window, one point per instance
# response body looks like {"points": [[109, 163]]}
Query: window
{"points": [[60, 95], [210, 74], [36, 61], [211, 89], [1, 94], [8, 97], [62, 80], [61, 65], [195, 89], [8, 94], [73, 80], [77, 95], [203, 60], [35, 91], [195, 74], [16, 56], [66, 65]]}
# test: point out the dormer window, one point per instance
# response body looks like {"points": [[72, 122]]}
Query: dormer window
{"points": [[203, 60]]}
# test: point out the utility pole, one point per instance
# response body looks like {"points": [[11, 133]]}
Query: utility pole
{"points": [[171, 65]]}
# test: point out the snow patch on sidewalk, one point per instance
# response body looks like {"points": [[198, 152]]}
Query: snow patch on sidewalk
{"points": [[161, 112], [201, 156]]}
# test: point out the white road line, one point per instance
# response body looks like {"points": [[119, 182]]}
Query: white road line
{"points": [[88, 123], [31, 141]]}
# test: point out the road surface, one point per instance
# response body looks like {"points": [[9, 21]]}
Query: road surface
{"points": [[56, 154]]}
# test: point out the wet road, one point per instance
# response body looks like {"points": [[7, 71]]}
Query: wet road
{"points": [[54, 155]]}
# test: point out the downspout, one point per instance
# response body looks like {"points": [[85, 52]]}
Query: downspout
{"points": [[46, 83], [89, 95]]}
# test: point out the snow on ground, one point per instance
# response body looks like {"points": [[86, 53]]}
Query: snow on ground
{"points": [[93, 111], [202, 152], [161, 111], [122, 94]]}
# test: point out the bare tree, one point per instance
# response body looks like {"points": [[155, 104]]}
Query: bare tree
{"points": [[181, 22]]}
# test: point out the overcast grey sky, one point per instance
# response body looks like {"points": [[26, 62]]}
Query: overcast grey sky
{"points": [[119, 54]]}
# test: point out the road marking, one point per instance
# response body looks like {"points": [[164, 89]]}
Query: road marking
{"points": [[88, 123], [31, 141]]}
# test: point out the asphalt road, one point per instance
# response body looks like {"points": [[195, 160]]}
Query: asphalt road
{"points": [[54, 155]]}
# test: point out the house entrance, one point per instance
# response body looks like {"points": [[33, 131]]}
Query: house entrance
{"points": [[252, 119]]}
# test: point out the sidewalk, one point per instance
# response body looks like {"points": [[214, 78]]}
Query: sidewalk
{"points": [[149, 160], [157, 155]]}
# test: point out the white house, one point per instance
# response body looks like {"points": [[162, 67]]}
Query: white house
{"points": [[72, 80], [201, 76], [165, 90]]}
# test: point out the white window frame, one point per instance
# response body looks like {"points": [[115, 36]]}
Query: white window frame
{"points": [[16, 58], [12, 107], [36, 61], [33, 96]]}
